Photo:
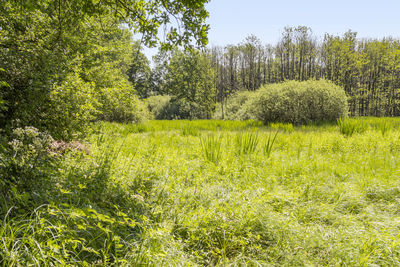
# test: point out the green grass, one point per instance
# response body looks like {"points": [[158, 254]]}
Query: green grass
{"points": [[348, 127], [211, 146], [270, 143], [310, 196], [246, 142], [185, 126]]}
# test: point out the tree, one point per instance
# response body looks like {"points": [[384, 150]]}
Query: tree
{"points": [[183, 19], [190, 78], [368, 69], [140, 73], [44, 43]]}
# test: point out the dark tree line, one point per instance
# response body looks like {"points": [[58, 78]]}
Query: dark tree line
{"points": [[368, 69]]}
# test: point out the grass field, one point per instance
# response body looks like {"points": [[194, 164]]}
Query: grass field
{"points": [[232, 193]]}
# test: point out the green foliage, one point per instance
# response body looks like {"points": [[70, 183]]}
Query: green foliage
{"points": [[246, 142], [189, 79], [85, 223], [3, 106], [172, 108], [26, 165], [237, 107], [121, 104], [64, 236], [73, 106], [177, 125], [259, 210], [106, 61], [290, 102], [384, 127], [348, 127], [182, 109], [366, 68], [189, 130], [142, 17], [148, 198], [140, 73], [158, 106], [286, 127], [300, 102], [44, 51]]}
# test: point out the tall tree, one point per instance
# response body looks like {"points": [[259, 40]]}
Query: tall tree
{"points": [[190, 77]]}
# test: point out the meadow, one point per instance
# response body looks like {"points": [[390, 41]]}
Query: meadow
{"points": [[200, 193]]}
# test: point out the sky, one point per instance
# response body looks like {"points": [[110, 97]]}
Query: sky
{"points": [[232, 20]]}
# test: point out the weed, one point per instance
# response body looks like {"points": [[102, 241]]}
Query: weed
{"points": [[152, 199]]}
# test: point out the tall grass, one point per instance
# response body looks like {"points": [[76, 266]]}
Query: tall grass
{"points": [[185, 126], [269, 144], [246, 142], [348, 127], [384, 127], [285, 127], [151, 199], [189, 130], [211, 147]]}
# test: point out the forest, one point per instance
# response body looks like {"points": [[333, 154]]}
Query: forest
{"points": [[247, 154], [367, 69]]}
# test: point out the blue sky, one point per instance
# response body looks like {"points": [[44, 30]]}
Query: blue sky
{"points": [[232, 20]]}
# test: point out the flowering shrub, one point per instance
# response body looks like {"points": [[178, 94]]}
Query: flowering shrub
{"points": [[25, 161]]}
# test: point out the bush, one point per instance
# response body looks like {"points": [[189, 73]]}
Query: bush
{"points": [[121, 104], [158, 105], [182, 109], [167, 108], [298, 102], [236, 107], [73, 106], [26, 164]]}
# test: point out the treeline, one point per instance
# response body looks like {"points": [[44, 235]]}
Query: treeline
{"points": [[368, 69]]}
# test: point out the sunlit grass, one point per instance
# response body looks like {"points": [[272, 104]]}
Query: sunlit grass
{"points": [[307, 196]]}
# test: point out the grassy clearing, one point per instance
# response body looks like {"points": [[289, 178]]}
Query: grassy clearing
{"points": [[307, 196], [187, 127]]}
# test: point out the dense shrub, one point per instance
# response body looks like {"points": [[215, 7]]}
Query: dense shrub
{"points": [[26, 164], [158, 105], [121, 104], [183, 109], [237, 108], [167, 108], [291, 102], [73, 106], [300, 102]]}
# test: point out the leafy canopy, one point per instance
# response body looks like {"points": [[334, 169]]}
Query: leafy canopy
{"points": [[183, 20]]}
